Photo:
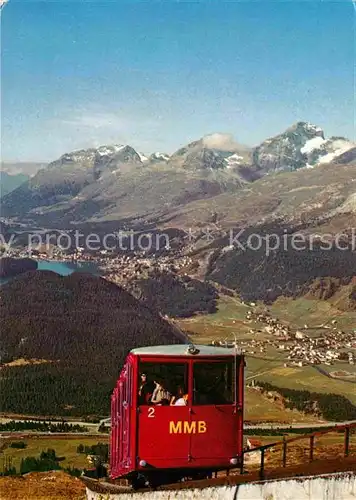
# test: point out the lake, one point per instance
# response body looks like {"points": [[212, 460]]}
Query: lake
{"points": [[64, 268]]}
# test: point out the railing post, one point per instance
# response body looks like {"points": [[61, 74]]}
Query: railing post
{"points": [[242, 463], [284, 456], [311, 451], [262, 467], [347, 441]]}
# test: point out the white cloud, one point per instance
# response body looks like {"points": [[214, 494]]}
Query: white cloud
{"points": [[109, 121], [221, 141], [82, 128]]}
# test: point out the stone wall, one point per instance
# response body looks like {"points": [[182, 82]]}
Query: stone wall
{"points": [[340, 486]]}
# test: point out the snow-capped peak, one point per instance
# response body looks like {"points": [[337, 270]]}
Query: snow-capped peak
{"points": [[109, 150], [310, 127], [305, 129]]}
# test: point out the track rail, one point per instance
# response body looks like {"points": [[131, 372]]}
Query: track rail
{"points": [[313, 467], [324, 467]]}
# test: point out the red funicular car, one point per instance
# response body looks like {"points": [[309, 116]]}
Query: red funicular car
{"points": [[177, 411]]}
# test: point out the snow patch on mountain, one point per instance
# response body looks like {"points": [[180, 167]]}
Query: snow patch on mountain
{"points": [[143, 158], [336, 148], [233, 160], [159, 156], [312, 144], [109, 150], [77, 156]]}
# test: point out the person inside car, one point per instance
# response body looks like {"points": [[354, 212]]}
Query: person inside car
{"points": [[145, 390], [160, 394], [181, 399]]}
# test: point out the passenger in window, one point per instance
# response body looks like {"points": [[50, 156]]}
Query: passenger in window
{"points": [[181, 399], [145, 390], [160, 394]]}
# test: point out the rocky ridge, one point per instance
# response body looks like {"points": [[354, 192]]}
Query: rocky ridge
{"points": [[116, 182]]}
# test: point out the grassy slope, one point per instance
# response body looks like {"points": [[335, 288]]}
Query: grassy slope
{"points": [[65, 447], [312, 312], [260, 409], [42, 486], [227, 321]]}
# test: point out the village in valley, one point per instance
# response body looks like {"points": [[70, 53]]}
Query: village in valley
{"points": [[324, 345], [118, 268], [266, 337]]}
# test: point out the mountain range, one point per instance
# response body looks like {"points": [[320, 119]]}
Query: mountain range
{"points": [[28, 168], [209, 176], [13, 174], [9, 182]]}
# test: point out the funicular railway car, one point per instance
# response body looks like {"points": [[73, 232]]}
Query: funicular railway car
{"points": [[177, 412]]}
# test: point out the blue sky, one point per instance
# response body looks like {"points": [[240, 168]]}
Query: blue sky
{"points": [[157, 75]]}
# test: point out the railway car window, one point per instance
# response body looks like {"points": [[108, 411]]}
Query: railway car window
{"points": [[213, 383], [172, 377]]}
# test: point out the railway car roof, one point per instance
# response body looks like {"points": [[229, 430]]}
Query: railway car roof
{"points": [[182, 350]]}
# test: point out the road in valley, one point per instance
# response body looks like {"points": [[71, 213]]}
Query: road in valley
{"points": [[296, 425], [93, 428]]}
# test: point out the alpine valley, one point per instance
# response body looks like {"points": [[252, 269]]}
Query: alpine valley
{"points": [[293, 312]]}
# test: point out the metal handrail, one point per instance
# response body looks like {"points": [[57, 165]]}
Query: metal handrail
{"points": [[311, 436]]}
